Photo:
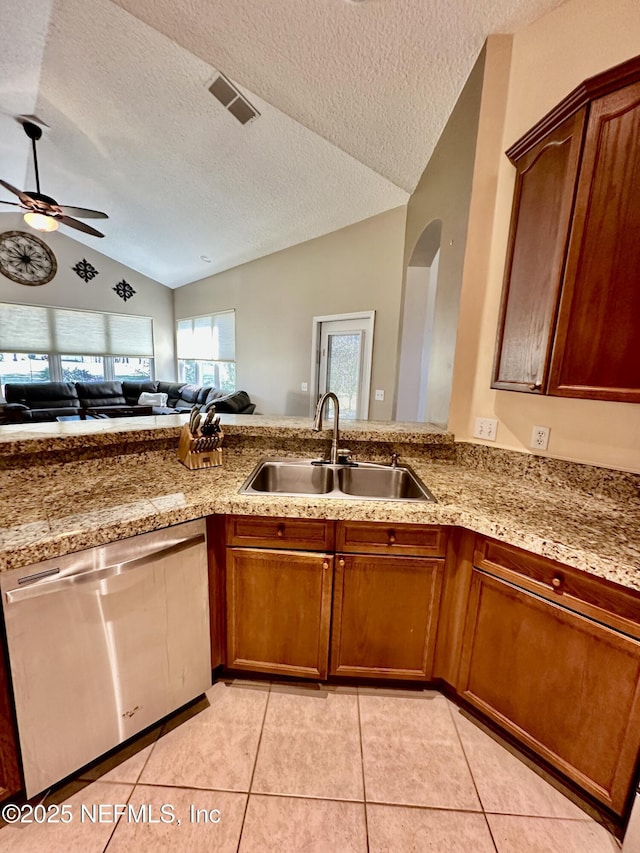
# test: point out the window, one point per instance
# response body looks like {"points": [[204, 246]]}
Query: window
{"points": [[72, 346], [82, 368], [23, 367], [132, 369], [206, 349]]}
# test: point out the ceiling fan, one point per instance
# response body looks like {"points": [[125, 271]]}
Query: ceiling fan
{"points": [[43, 212]]}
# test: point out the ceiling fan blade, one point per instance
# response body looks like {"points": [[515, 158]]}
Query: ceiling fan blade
{"points": [[79, 226], [83, 212], [11, 188], [12, 203]]}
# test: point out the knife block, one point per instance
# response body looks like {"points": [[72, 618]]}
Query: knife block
{"points": [[194, 459]]}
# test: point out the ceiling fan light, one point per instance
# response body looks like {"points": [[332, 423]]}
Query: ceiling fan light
{"points": [[41, 222]]}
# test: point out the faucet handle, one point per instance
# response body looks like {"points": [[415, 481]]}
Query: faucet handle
{"points": [[394, 460], [344, 456]]}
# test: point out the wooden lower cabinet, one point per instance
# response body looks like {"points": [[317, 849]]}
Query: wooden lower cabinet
{"points": [[549, 653], [385, 615], [10, 775], [566, 686], [278, 607]]}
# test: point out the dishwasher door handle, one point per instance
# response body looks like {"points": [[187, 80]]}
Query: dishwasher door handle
{"points": [[44, 586]]}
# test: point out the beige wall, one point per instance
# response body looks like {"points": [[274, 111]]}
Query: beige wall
{"points": [[444, 193], [522, 81], [358, 268], [68, 290]]}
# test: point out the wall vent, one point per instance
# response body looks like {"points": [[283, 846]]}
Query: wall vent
{"points": [[224, 91]]}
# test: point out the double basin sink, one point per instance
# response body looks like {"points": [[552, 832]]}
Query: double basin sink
{"points": [[357, 481]]}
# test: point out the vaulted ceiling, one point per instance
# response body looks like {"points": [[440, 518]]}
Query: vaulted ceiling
{"points": [[352, 98]]}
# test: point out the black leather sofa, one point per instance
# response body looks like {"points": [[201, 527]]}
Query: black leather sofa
{"points": [[47, 401]]}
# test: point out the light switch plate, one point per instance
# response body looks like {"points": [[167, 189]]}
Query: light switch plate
{"points": [[304, 386], [379, 395], [486, 428]]}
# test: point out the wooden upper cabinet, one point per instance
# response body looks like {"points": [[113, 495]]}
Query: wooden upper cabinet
{"points": [[571, 299], [597, 347], [540, 221]]}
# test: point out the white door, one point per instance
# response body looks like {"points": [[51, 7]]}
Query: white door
{"points": [[344, 362]]}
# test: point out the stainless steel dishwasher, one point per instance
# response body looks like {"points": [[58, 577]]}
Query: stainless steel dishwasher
{"points": [[103, 643]]}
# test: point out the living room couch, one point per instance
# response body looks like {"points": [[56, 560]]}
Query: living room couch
{"points": [[47, 401]]}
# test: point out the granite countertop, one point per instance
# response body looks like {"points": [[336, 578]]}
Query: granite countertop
{"points": [[587, 519]]}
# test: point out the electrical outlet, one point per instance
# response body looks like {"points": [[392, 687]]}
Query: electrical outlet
{"points": [[540, 438], [379, 395], [486, 428], [304, 386]]}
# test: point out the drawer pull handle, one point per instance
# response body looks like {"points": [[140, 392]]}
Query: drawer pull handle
{"points": [[280, 530], [557, 583], [392, 537]]}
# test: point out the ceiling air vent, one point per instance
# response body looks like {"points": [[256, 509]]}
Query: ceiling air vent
{"points": [[224, 91]]}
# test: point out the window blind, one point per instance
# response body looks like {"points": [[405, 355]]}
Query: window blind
{"points": [[129, 335], [32, 328], [211, 338], [78, 332], [24, 328]]}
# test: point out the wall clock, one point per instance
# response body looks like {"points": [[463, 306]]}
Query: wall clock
{"points": [[26, 259]]}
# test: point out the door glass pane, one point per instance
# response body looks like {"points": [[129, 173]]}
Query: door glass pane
{"points": [[131, 369], [82, 368], [343, 371], [23, 367]]}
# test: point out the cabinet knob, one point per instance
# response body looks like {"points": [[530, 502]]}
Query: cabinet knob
{"points": [[535, 386], [392, 537], [325, 564], [557, 583], [280, 530], [341, 562]]}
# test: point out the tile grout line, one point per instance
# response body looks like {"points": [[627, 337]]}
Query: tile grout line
{"points": [[135, 785], [364, 783], [117, 824], [255, 764], [473, 778], [585, 819]]}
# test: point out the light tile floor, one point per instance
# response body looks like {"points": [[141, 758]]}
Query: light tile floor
{"points": [[257, 767]]}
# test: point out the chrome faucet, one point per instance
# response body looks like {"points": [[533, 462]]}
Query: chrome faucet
{"points": [[317, 422]]}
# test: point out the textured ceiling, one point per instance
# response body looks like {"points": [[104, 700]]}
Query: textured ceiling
{"points": [[352, 96]]}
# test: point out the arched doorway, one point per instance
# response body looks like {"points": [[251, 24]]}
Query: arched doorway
{"points": [[416, 342]]}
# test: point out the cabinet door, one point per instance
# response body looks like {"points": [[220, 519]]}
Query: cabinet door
{"points": [[597, 348], [565, 686], [385, 614], [540, 221], [10, 776], [278, 611]]}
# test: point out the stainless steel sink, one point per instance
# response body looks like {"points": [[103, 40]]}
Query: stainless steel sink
{"points": [[360, 481], [384, 483], [286, 477]]}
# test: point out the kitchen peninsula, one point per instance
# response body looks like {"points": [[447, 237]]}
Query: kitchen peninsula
{"points": [[527, 565], [73, 485]]}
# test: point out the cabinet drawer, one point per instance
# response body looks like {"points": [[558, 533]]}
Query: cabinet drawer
{"points": [[592, 596], [305, 534], [412, 540]]}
